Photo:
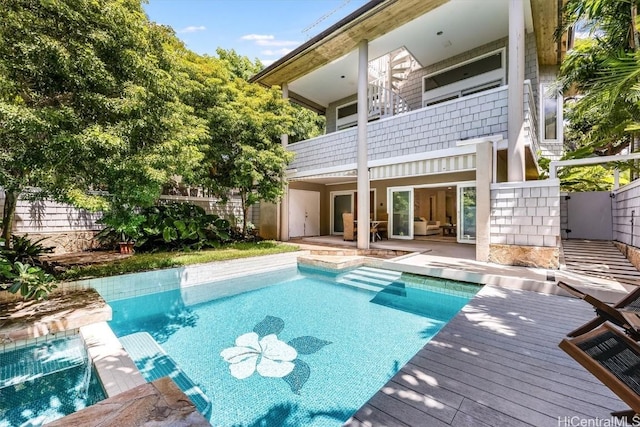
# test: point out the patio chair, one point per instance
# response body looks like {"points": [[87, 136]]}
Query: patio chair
{"points": [[614, 359], [625, 313], [349, 226]]}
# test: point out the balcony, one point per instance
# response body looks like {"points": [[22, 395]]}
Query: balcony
{"points": [[436, 127]]}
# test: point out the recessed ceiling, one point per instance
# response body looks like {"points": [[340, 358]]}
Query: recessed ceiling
{"points": [[465, 25]]}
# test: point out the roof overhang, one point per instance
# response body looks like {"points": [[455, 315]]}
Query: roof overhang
{"points": [[326, 65]]}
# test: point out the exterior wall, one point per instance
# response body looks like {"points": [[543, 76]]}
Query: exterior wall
{"points": [[432, 128], [70, 229], [525, 223], [626, 201], [45, 216], [526, 213]]}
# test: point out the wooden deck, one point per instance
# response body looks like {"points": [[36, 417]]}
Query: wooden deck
{"points": [[601, 259], [497, 363]]}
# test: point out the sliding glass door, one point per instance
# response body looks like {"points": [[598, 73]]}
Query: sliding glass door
{"points": [[400, 201], [467, 213]]}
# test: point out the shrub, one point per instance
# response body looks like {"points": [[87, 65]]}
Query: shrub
{"points": [[173, 226], [20, 268]]}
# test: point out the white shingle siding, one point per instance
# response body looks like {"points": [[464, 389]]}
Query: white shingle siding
{"points": [[427, 129], [46, 216], [627, 199], [526, 213]]}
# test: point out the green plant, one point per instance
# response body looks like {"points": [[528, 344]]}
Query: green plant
{"points": [[32, 282], [24, 250], [122, 225], [182, 226]]}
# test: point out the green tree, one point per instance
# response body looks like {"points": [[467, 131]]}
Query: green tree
{"points": [[245, 153], [601, 71], [90, 99]]}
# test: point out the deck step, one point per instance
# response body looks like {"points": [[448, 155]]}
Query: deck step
{"points": [[37, 361], [153, 362]]}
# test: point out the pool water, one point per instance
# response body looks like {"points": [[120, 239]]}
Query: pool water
{"points": [[44, 382], [307, 351]]}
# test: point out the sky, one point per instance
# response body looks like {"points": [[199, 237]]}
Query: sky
{"points": [[262, 29]]}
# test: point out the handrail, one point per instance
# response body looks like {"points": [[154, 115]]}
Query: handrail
{"points": [[384, 102]]}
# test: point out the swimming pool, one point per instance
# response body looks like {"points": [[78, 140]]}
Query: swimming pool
{"points": [[308, 350], [46, 381]]}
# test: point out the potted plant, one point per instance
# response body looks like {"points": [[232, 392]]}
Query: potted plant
{"points": [[123, 224]]}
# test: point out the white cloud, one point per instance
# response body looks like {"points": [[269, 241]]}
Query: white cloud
{"points": [[268, 40], [258, 37], [278, 52], [192, 29], [267, 62]]}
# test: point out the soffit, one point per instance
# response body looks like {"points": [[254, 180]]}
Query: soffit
{"points": [[546, 16], [374, 23]]}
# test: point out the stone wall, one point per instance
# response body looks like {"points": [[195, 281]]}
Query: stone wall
{"points": [[525, 223]]}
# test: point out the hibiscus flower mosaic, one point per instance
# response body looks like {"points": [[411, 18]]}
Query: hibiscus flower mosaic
{"points": [[261, 352]]}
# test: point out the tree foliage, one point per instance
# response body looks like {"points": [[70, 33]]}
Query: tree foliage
{"points": [[90, 100], [601, 74]]}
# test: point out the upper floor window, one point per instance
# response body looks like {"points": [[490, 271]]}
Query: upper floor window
{"points": [[477, 75], [347, 116], [551, 114]]}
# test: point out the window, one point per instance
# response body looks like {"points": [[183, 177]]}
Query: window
{"points": [[480, 74], [347, 116], [551, 114]]}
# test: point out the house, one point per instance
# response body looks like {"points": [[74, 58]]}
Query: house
{"points": [[436, 110]]}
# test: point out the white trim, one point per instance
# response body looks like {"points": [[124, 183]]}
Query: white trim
{"points": [[541, 117], [554, 165], [526, 184], [427, 155], [348, 121], [349, 169], [629, 186], [332, 194], [491, 138]]}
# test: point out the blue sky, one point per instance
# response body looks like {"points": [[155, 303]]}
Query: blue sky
{"points": [[263, 29]]}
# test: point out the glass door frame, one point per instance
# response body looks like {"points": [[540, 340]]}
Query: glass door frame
{"points": [[332, 196], [390, 226], [460, 211]]}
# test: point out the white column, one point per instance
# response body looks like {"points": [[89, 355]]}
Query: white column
{"points": [[284, 202], [515, 100], [363, 169], [484, 154]]}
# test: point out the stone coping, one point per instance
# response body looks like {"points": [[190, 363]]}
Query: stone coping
{"points": [[27, 320], [113, 366], [160, 403]]}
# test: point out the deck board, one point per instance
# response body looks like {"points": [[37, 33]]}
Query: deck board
{"points": [[496, 363], [601, 259]]}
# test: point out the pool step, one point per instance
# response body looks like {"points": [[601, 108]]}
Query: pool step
{"points": [[153, 362], [368, 278], [36, 361]]}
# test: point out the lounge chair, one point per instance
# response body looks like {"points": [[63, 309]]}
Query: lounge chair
{"points": [[625, 313], [614, 359]]}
